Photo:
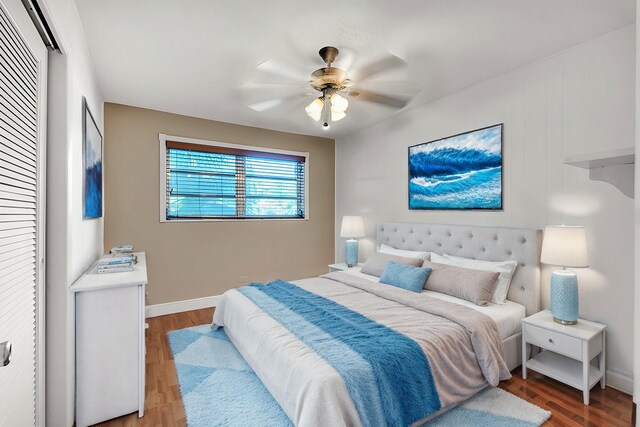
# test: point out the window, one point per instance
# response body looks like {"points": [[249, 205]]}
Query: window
{"points": [[205, 180]]}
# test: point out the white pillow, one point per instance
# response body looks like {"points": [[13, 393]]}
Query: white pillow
{"points": [[404, 253], [505, 268]]}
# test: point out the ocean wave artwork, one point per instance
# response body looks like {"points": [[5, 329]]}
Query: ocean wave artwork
{"points": [[92, 146], [458, 172]]}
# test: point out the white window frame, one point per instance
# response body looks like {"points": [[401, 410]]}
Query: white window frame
{"points": [[163, 138]]}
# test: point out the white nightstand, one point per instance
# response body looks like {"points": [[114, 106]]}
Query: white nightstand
{"points": [[568, 351], [341, 267]]}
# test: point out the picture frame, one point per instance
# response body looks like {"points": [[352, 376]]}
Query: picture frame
{"points": [[91, 165], [458, 172]]}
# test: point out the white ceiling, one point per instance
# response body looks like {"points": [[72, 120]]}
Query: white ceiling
{"points": [[192, 56]]}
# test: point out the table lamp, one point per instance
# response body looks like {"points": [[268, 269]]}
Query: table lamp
{"points": [[352, 227], [565, 246]]}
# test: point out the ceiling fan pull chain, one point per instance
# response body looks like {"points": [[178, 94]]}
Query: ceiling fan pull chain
{"points": [[326, 110]]}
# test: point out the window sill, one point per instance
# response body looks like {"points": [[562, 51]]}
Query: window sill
{"points": [[178, 221]]}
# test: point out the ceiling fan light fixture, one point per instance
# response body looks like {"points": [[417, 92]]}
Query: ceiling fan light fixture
{"points": [[314, 110], [335, 87], [335, 115], [339, 104]]}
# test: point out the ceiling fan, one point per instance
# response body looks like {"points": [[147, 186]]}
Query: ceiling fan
{"points": [[337, 86]]}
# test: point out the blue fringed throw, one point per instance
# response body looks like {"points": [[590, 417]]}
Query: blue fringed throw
{"points": [[387, 374]]}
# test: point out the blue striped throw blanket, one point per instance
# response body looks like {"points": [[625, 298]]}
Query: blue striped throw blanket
{"points": [[387, 374]]}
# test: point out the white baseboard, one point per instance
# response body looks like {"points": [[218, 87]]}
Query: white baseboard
{"points": [[620, 382], [180, 306]]}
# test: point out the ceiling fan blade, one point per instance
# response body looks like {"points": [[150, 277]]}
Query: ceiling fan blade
{"points": [[394, 87], [345, 58], [259, 91], [287, 72], [259, 86], [396, 102], [269, 104], [265, 96], [387, 63]]}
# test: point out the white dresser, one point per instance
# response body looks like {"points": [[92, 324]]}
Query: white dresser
{"points": [[110, 347]]}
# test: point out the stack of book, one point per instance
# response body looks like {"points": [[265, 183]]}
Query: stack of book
{"points": [[121, 249], [121, 259]]}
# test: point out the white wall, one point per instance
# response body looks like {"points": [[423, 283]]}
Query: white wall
{"points": [[579, 101], [72, 243]]}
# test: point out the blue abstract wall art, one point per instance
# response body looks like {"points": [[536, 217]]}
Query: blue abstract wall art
{"points": [[92, 162], [458, 172]]}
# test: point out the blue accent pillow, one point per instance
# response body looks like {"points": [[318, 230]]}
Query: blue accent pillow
{"points": [[405, 276]]}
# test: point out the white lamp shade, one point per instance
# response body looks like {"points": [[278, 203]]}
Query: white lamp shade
{"points": [[314, 110], [337, 116], [352, 227], [338, 103], [565, 246]]}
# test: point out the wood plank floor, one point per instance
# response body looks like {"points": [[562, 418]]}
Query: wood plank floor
{"points": [[163, 405]]}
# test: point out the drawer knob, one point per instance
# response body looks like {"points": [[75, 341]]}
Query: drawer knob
{"points": [[550, 340]]}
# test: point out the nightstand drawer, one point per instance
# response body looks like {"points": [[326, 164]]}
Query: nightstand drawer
{"points": [[559, 343]]}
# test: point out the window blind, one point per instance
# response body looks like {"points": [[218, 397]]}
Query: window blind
{"points": [[209, 182]]}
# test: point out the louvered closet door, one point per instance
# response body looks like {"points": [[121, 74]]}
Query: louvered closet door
{"points": [[22, 100]]}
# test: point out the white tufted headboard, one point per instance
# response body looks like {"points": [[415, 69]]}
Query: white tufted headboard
{"points": [[478, 242]]}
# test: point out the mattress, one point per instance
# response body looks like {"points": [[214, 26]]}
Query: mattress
{"points": [[508, 316]]}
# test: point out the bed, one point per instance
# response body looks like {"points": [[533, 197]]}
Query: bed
{"points": [[440, 351], [483, 243]]}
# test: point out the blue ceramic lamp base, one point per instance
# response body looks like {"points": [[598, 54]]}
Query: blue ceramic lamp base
{"points": [[351, 252], [564, 297]]}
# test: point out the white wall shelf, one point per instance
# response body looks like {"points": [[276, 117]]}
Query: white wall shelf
{"points": [[614, 166]]}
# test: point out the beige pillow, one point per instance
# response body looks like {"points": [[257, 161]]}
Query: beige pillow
{"points": [[506, 269], [375, 263], [475, 286]]}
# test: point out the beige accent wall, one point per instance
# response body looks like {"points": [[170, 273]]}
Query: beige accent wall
{"points": [[193, 260]]}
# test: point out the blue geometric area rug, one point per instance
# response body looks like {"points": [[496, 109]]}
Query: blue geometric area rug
{"points": [[219, 389]]}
